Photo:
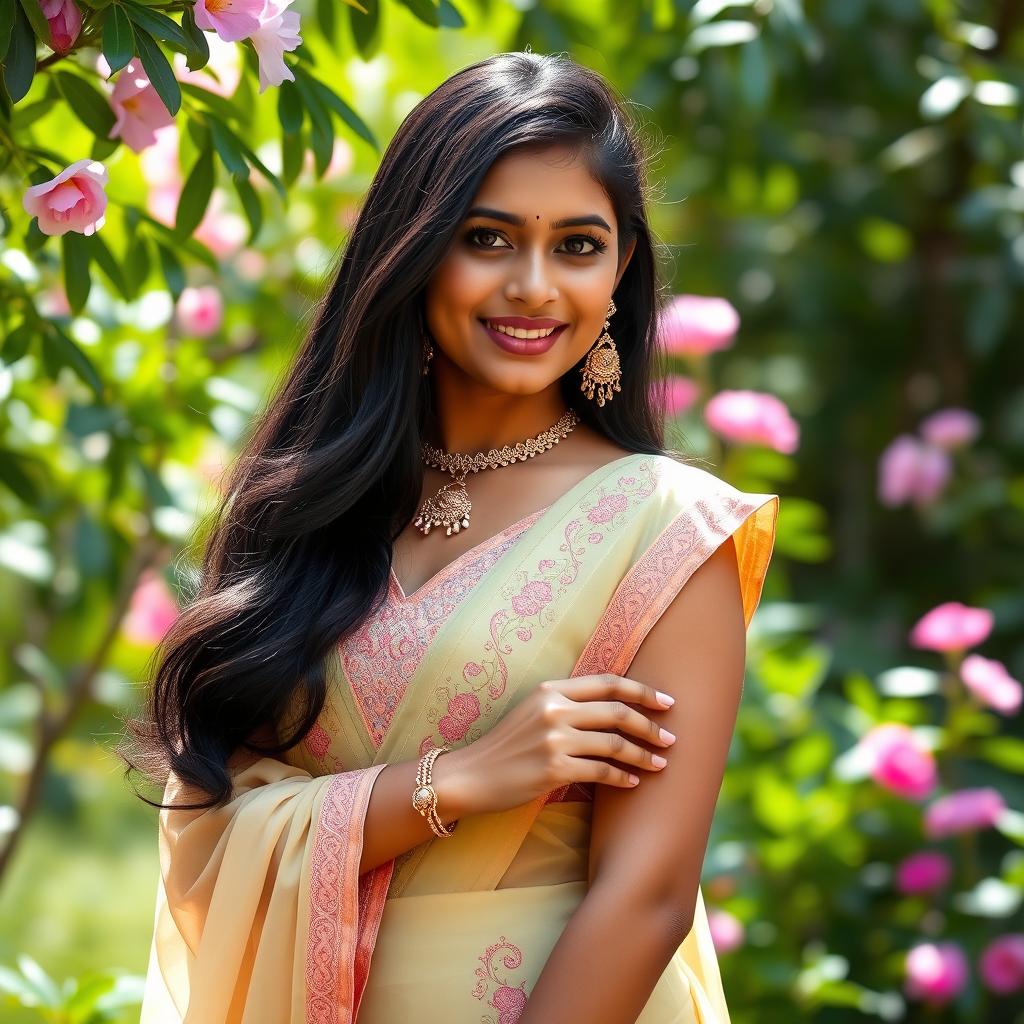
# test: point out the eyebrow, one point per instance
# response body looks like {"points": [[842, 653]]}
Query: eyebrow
{"points": [[565, 222]]}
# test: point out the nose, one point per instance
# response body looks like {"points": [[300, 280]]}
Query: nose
{"points": [[530, 281]]}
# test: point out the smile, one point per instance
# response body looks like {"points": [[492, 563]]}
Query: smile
{"points": [[521, 342]]}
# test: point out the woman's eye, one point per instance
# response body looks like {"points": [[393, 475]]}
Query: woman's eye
{"points": [[478, 233], [478, 237]]}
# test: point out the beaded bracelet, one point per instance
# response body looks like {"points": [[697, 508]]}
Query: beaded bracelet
{"points": [[424, 797]]}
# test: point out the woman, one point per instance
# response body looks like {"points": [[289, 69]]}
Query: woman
{"points": [[396, 720]]}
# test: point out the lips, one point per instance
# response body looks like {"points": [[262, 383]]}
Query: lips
{"points": [[523, 346]]}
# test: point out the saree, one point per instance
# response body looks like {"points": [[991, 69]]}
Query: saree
{"points": [[261, 913]]}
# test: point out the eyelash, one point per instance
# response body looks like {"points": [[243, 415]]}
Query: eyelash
{"points": [[599, 244]]}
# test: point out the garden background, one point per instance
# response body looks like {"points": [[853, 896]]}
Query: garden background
{"points": [[841, 193]]}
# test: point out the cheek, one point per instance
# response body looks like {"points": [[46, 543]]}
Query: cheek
{"points": [[458, 284]]}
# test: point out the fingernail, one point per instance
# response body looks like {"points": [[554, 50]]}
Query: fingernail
{"points": [[634, 780], [658, 761], [667, 737], [664, 698]]}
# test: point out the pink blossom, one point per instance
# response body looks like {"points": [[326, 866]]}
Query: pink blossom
{"points": [[935, 972], [899, 762], [1002, 964], [159, 162], [463, 711], [200, 311], [608, 507], [727, 931], [221, 230], [989, 681], [924, 871], [318, 740], [76, 200], [278, 32], [534, 596], [752, 417], [951, 428], [139, 109], [151, 612], [911, 471], [697, 324], [222, 72], [65, 20], [676, 393], [230, 19], [952, 627], [966, 810]]}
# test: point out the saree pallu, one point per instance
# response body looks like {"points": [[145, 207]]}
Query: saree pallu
{"points": [[261, 914]]}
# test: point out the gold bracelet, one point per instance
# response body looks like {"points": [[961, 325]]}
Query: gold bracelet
{"points": [[424, 797]]}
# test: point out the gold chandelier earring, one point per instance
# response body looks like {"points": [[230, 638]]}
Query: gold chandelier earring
{"points": [[601, 369]]}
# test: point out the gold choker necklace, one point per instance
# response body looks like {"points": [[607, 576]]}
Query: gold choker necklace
{"points": [[451, 506]]}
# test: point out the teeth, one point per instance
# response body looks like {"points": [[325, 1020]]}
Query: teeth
{"points": [[518, 332]]}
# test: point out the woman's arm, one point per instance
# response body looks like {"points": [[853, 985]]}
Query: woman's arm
{"points": [[648, 843]]}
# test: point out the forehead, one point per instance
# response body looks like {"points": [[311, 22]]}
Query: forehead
{"points": [[551, 182]]}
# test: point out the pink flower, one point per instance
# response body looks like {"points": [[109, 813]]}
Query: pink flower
{"points": [[159, 163], [752, 417], [342, 159], [222, 231], [607, 508], [675, 394], [1002, 964], [921, 872], [151, 612], [139, 109], [898, 761], [950, 428], [76, 200], [695, 325], [935, 972], [966, 810], [65, 20], [952, 627], [727, 931], [910, 471], [532, 598], [223, 71], [278, 31], [230, 19], [989, 681], [509, 1002], [200, 311]]}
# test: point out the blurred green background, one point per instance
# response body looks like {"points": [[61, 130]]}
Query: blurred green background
{"points": [[848, 175]]}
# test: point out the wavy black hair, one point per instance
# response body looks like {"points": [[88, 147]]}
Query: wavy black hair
{"points": [[331, 470]]}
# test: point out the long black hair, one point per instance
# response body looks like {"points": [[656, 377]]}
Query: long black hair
{"points": [[331, 471]]}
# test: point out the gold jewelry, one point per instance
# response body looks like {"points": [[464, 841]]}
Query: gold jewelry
{"points": [[424, 796], [602, 369], [428, 354], [451, 506]]}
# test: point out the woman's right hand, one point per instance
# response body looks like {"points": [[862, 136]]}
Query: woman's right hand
{"points": [[555, 735]]}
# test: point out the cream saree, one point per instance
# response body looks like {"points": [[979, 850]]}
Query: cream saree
{"points": [[261, 914]]}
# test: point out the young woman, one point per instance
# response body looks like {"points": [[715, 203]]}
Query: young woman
{"points": [[454, 575]]}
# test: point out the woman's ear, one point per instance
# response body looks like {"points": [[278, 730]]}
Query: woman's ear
{"points": [[625, 262]]}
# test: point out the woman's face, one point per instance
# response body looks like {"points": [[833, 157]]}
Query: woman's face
{"points": [[510, 260]]}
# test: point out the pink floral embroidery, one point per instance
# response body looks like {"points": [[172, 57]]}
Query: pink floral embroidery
{"points": [[463, 711], [381, 657], [317, 740], [531, 597], [508, 1000]]}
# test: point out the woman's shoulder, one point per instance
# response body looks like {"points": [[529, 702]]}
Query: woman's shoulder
{"points": [[685, 483]]}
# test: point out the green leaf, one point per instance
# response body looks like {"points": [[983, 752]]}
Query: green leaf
{"points": [[321, 128], [1004, 752], [37, 20], [63, 351], [325, 16], [198, 53], [159, 25], [89, 105], [228, 148], [6, 24], [289, 107], [425, 10], [334, 102], [137, 262], [223, 108], [17, 343], [20, 64], [260, 166], [252, 207], [101, 254], [118, 38], [171, 268], [450, 16], [76, 269], [158, 69], [293, 149], [195, 194], [366, 28], [16, 472]]}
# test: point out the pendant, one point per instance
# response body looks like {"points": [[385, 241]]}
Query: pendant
{"points": [[449, 508]]}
